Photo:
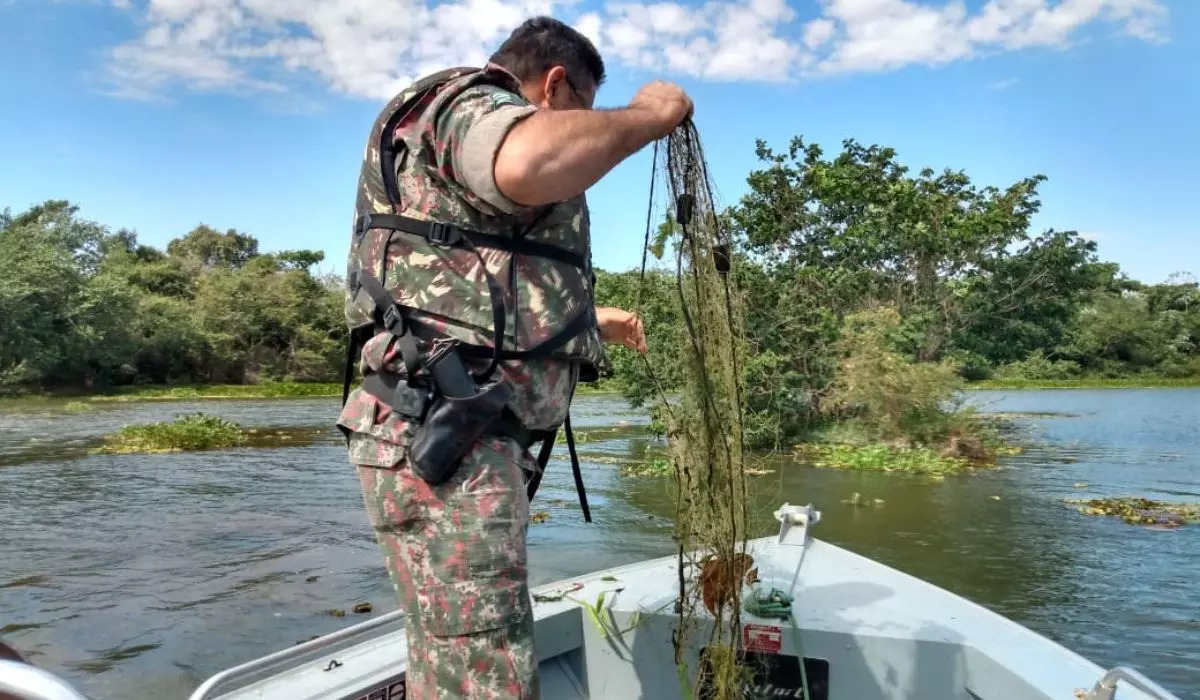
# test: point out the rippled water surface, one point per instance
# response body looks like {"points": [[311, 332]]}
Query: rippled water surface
{"points": [[139, 576]]}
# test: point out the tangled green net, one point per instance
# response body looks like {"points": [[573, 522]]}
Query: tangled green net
{"points": [[704, 427]]}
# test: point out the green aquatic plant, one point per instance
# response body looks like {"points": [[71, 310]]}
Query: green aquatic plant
{"points": [[1140, 511], [883, 458], [190, 432], [654, 467]]}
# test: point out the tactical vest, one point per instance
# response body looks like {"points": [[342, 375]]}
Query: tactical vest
{"points": [[431, 272]]}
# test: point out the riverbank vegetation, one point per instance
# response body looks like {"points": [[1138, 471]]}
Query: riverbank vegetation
{"points": [[1145, 381], [84, 307], [261, 390], [874, 295], [80, 399]]}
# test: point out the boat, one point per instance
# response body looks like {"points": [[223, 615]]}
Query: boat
{"points": [[857, 630]]}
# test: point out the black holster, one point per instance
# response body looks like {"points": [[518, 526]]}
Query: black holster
{"points": [[450, 429]]}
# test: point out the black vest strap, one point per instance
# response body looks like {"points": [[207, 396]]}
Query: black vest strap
{"points": [[543, 458], [389, 149], [352, 349], [392, 320], [547, 346], [587, 513], [450, 235]]}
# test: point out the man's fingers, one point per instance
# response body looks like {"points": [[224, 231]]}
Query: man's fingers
{"points": [[639, 335]]}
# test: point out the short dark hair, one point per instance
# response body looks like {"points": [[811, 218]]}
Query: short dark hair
{"points": [[541, 43]]}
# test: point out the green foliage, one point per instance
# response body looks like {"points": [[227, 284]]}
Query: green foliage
{"points": [[84, 308], [869, 291], [1135, 382], [1027, 302], [884, 391], [661, 319], [819, 239], [207, 247], [192, 432], [1037, 366]]}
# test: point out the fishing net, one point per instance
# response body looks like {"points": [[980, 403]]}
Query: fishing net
{"points": [[704, 424]]}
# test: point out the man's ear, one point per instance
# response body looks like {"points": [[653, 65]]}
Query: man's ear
{"points": [[555, 81]]}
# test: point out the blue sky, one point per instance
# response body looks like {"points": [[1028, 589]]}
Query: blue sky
{"points": [[251, 114]]}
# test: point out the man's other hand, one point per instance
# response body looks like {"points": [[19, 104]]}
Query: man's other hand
{"points": [[621, 327]]}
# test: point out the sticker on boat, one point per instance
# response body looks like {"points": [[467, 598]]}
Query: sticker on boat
{"points": [[395, 690], [773, 676], [765, 638]]}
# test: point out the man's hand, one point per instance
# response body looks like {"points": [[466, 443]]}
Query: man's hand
{"points": [[621, 327], [668, 104]]}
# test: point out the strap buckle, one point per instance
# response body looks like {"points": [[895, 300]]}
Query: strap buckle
{"points": [[363, 224], [393, 320], [443, 234], [438, 347]]}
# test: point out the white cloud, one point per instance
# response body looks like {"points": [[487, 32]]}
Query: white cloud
{"points": [[368, 48], [363, 48], [818, 32]]}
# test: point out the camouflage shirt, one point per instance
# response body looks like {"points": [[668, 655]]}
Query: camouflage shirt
{"points": [[449, 173]]}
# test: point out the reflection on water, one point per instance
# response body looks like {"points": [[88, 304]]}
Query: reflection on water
{"points": [[140, 575]]}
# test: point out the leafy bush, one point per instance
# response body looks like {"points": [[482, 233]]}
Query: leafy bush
{"points": [[1037, 366], [886, 393]]}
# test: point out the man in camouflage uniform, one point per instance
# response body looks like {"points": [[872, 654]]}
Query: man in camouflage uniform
{"points": [[521, 146]]}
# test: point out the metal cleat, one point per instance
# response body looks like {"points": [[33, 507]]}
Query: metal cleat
{"points": [[1106, 687], [794, 522]]}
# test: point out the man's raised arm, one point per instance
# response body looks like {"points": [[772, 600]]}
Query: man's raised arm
{"points": [[555, 155]]}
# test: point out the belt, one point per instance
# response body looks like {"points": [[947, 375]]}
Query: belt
{"points": [[412, 402]]}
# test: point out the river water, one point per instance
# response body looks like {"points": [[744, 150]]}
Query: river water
{"points": [[139, 576]]}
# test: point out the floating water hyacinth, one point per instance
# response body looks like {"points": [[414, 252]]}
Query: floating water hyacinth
{"points": [[1141, 511]]}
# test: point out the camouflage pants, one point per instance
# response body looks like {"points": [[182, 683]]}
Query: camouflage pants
{"points": [[456, 556]]}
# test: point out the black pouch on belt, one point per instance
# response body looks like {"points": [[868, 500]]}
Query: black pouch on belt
{"points": [[454, 422]]}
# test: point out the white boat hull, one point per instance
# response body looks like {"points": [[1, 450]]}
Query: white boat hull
{"points": [[867, 632]]}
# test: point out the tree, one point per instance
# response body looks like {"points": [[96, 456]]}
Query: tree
{"points": [[299, 259], [1017, 304], [847, 263], [40, 281], [869, 230], [210, 248], [80, 306]]}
